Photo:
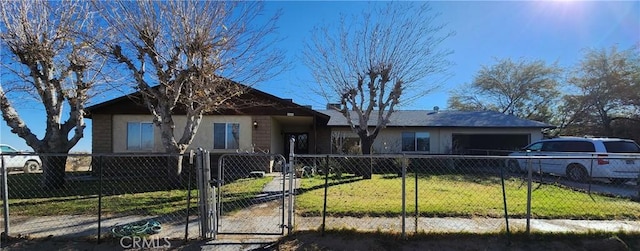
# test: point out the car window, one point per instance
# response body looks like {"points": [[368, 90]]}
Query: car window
{"points": [[578, 146], [552, 146], [7, 149], [534, 147], [621, 147]]}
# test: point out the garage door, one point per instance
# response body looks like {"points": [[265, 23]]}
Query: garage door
{"points": [[492, 144]]}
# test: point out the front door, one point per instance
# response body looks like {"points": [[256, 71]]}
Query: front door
{"points": [[301, 145]]}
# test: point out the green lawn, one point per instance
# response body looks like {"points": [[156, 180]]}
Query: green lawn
{"points": [[439, 195], [456, 195], [121, 197]]}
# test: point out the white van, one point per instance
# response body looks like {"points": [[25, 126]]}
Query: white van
{"points": [[610, 158]]}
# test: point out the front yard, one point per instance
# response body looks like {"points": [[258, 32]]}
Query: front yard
{"points": [[438, 196], [120, 196], [456, 195]]}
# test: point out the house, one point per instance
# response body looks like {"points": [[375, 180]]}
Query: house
{"points": [[123, 125], [258, 122], [443, 132]]}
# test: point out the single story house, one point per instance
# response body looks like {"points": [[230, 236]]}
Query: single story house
{"points": [[260, 122], [124, 125], [443, 132]]}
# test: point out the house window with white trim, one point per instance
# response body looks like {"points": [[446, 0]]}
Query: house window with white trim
{"points": [[139, 136], [415, 142], [226, 135]]}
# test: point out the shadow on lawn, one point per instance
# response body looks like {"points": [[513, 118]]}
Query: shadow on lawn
{"points": [[123, 196], [232, 202], [333, 181], [83, 185], [482, 179]]}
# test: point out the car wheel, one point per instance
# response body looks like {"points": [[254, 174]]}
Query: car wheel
{"points": [[577, 173], [31, 166], [513, 166]]}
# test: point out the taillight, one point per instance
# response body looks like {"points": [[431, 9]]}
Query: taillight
{"points": [[602, 160]]}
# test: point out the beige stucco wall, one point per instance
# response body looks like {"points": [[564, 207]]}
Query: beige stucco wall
{"points": [[203, 138], [389, 140]]}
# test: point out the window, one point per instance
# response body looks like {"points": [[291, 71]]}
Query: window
{"points": [[552, 146], [535, 147], [226, 135], [578, 146], [7, 149], [621, 147], [415, 141], [139, 136]]}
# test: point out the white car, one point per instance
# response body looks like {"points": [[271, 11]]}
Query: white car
{"points": [[580, 159], [19, 160]]}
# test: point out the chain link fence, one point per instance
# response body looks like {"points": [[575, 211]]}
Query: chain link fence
{"points": [[445, 193], [98, 196], [113, 195]]}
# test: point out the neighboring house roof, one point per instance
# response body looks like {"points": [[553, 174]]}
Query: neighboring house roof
{"points": [[424, 118]]}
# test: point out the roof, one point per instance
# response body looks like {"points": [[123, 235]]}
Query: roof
{"points": [[425, 118], [132, 104]]}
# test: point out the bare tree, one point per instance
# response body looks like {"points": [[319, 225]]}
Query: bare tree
{"points": [[524, 89], [49, 59], [188, 56], [375, 61]]}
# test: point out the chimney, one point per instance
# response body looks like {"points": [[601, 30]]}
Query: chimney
{"points": [[334, 106]]}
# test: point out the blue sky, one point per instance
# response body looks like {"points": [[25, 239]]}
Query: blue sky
{"points": [[552, 31]]}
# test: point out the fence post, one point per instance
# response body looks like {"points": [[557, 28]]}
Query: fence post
{"points": [[292, 179], [5, 200], [593, 157], [283, 201], [504, 201], [218, 193], [100, 191], [212, 211], [404, 199], [417, 213], [191, 169], [202, 192], [326, 187], [529, 178]]}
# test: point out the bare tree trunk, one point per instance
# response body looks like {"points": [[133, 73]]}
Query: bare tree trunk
{"points": [[366, 142], [175, 175], [53, 167]]}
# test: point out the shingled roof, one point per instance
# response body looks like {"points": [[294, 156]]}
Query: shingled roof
{"points": [[425, 118]]}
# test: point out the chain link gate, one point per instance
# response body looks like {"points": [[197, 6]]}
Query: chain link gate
{"points": [[207, 195], [245, 194]]}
